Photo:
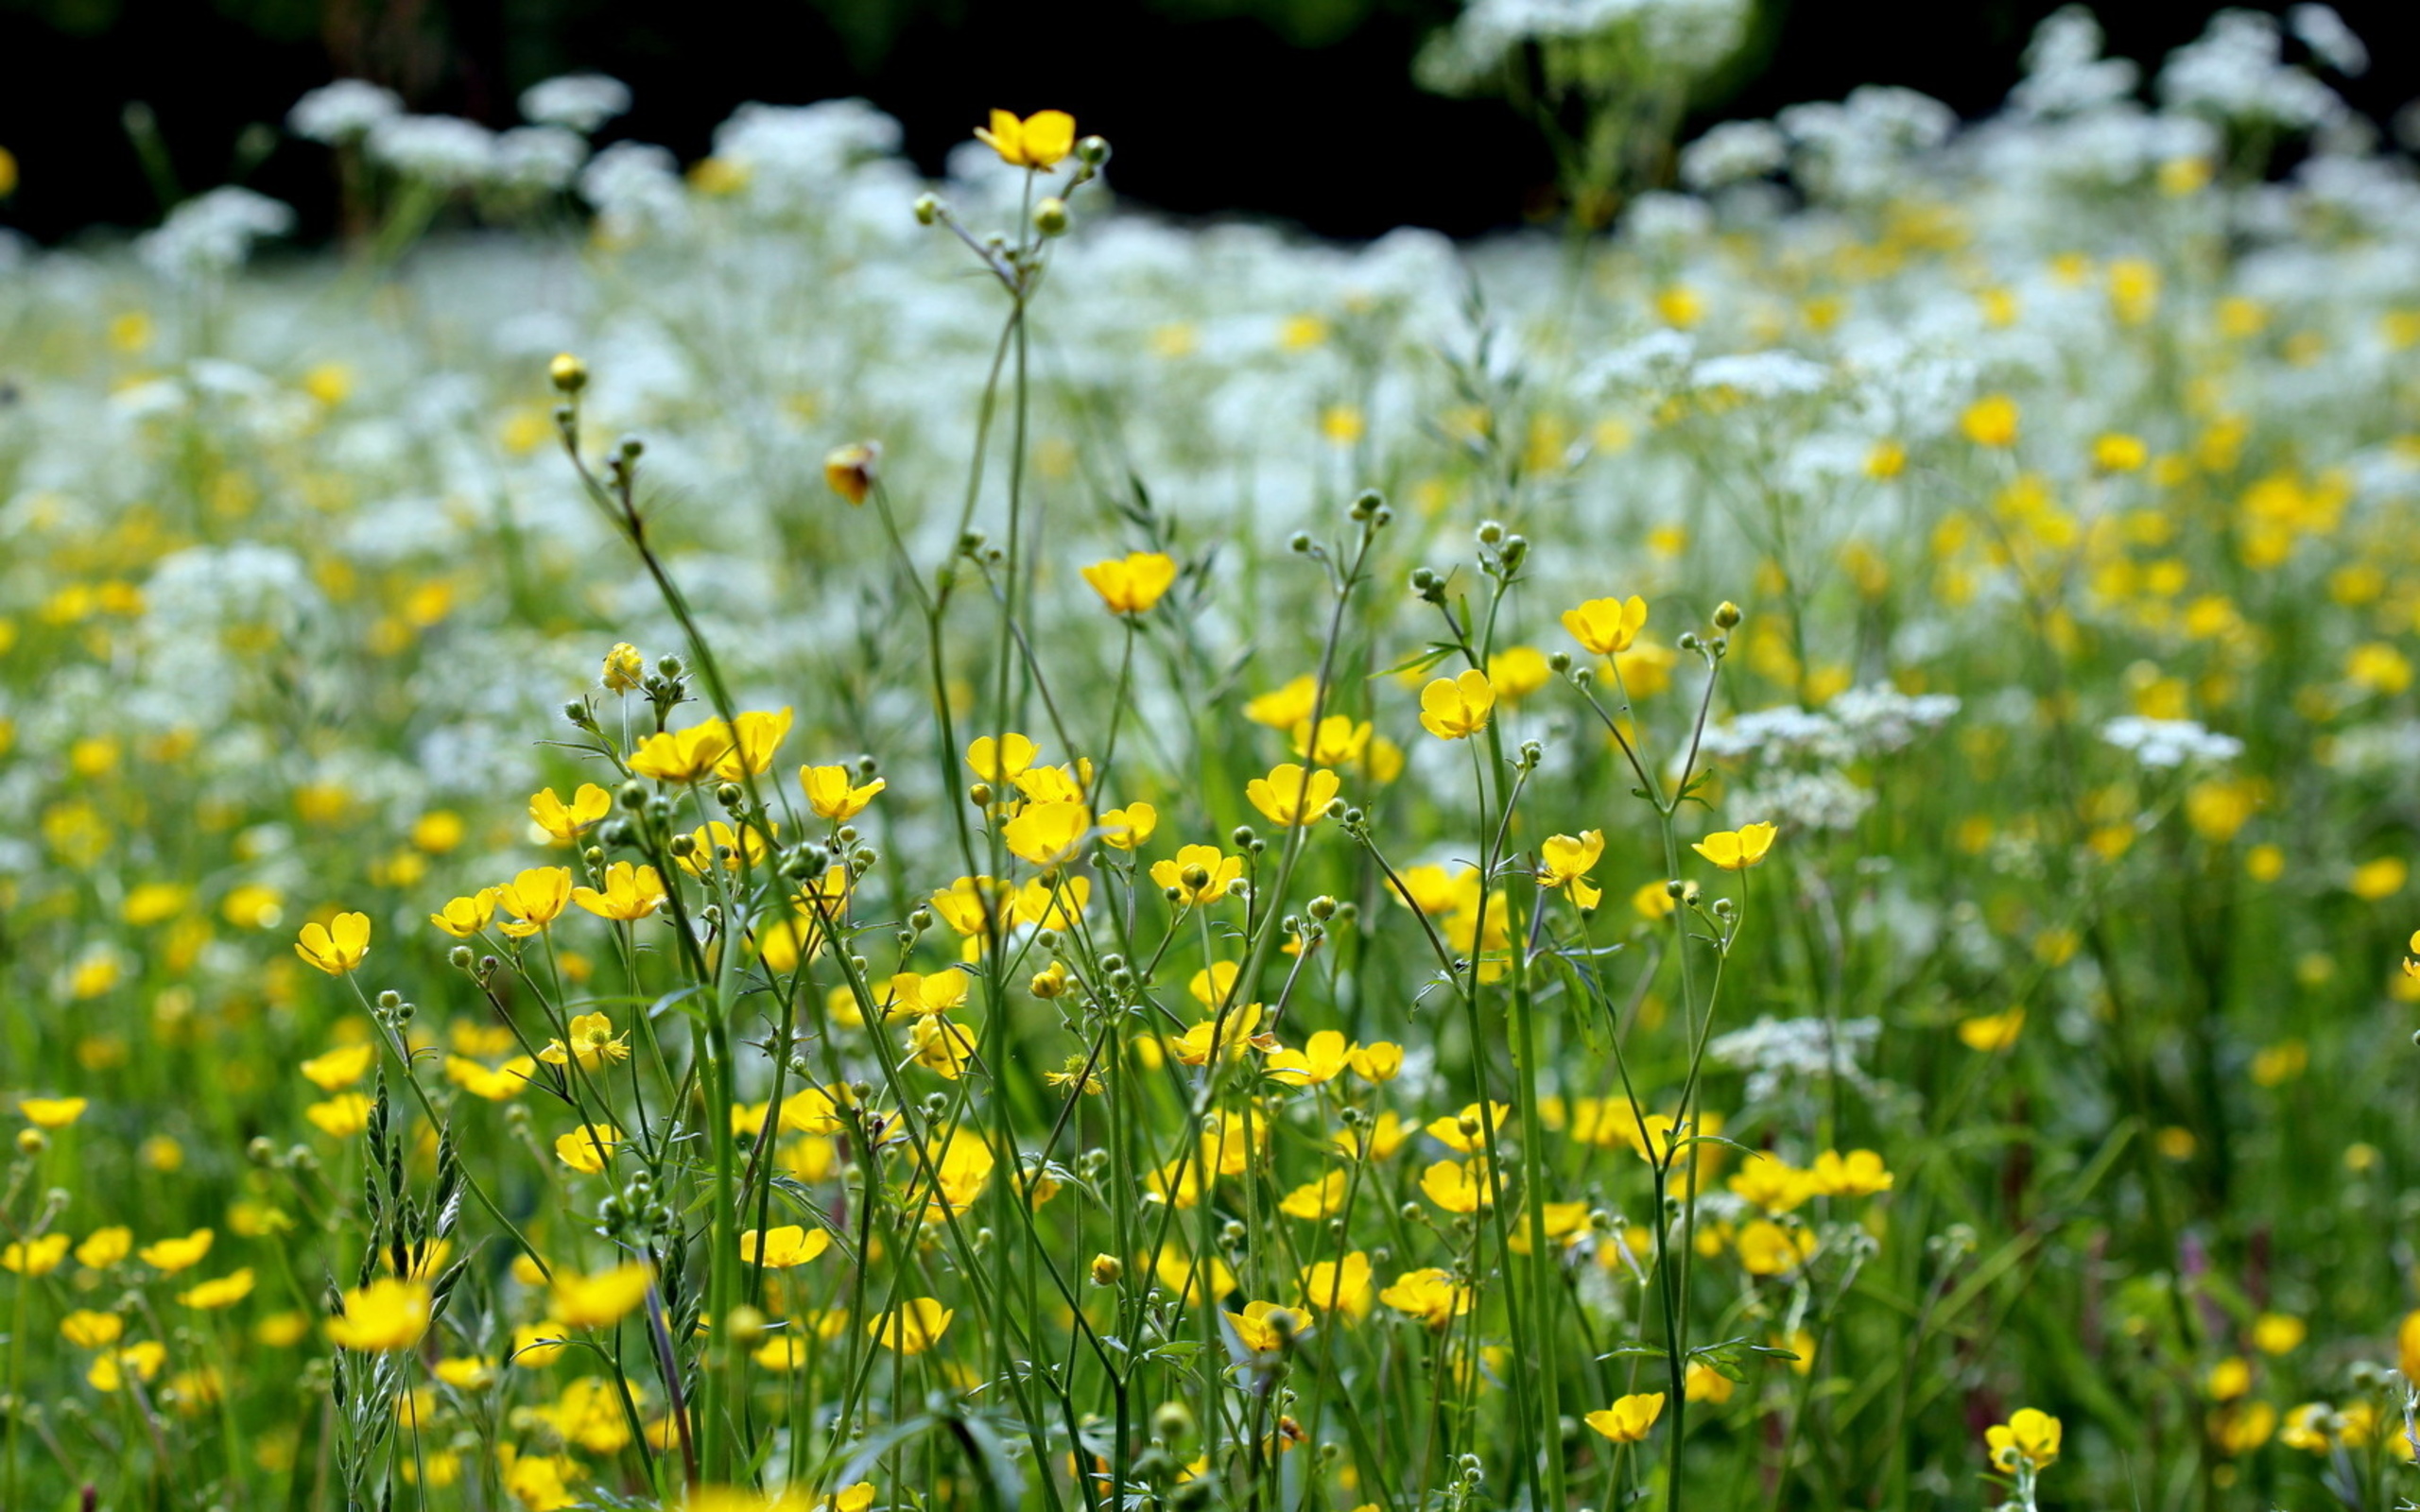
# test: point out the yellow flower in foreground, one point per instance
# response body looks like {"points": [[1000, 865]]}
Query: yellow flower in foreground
{"points": [[754, 736], [1606, 626], [2029, 1434], [912, 1327], [587, 1151], [170, 1255], [1292, 798], [1133, 585], [1201, 874], [1454, 708], [1628, 1421], [831, 796], [87, 1330], [337, 946], [104, 1248], [52, 1112], [780, 1248], [599, 1300], [1124, 829], [1047, 833], [1431, 1296], [562, 821], [631, 893], [387, 1315], [1039, 141], [465, 917], [1566, 858], [592, 1040], [625, 669], [1284, 708], [224, 1292], [1736, 850], [142, 1359], [683, 756]]}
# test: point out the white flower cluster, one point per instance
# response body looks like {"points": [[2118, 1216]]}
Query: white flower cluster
{"points": [[210, 236], [2169, 743], [1685, 37], [1776, 1051]]}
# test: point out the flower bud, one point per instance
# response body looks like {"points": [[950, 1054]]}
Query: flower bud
{"points": [[1050, 217], [1107, 1269], [568, 373], [928, 209], [1093, 151], [1726, 615]]}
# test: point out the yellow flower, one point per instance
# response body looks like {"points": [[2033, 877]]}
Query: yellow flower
{"points": [[1454, 708], [1339, 1286], [1047, 833], [337, 946], [1767, 1248], [1565, 858], [2029, 1434], [562, 821], [222, 1293], [104, 1248], [1736, 850], [1201, 874], [599, 1300], [388, 1314], [1629, 1419], [585, 1152], [780, 1248], [340, 1117], [1286, 707], [465, 917], [683, 756], [912, 1327], [1039, 141], [1703, 1382], [535, 898], [592, 1040], [631, 893], [1857, 1174], [1991, 420], [2278, 1333], [34, 1257], [52, 1112], [1992, 1032], [850, 471], [143, 1359], [1340, 742], [1431, 1296], [1133, 585], [1264, 1328], [625, 669], [88, 1330], [831, 795], [1606, 626], [1456, 1187], [1323, 1058], [340, 1067], [495, 1085], [754, 736], [1124, 829], [1312, 1200], [1292, 798], [170, 1255]]}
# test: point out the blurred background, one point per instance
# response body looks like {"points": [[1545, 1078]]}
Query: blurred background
{"points": [[1301, 110]]}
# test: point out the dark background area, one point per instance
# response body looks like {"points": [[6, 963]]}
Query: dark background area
{"points": [[1298, 109]]}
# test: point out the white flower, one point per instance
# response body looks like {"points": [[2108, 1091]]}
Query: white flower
{"points": [[581, 102], [1733, 151], [538, 157], [210, 234], [2166, 743], [342, 112], [444, 150]]}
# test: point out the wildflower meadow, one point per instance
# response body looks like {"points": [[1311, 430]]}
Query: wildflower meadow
{"points": [[779, 834]]}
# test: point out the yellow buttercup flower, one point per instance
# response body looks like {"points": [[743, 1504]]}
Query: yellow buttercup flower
{"points": [[337, 946], [213, 1296], [1286, 707], [1003, 761], [1203, 874], [630, 893], [465, 917], [625, 669], [1738, 850], [2029, 1434], [913, 1327], [1047, 833], [592, 1042], [1457, 706], [562, 821], [34, 1257], [535, 898], [1338, 741], [339, 1068], [683, 756], [831, 794], [1992, 1032], [754, 736], [1991, 420], [87, 1330], [1124, 829], [104, 1248], [780, 1248], [52, 1112], [1606, 626], [602, 1300], [340, 1117], [1630, 1418], [385, 1315], [495, 1084], [1564, 859], [587, 1151], [1339, 1285], [170, 1255], [1133, 584], [1429, 1295], [1039, 141], [1290, 796]]}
